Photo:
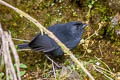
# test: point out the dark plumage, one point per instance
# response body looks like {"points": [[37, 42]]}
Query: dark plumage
{"points": [[70, 34]]}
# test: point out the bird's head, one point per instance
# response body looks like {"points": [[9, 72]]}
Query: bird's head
{"points": [[76, 28]]}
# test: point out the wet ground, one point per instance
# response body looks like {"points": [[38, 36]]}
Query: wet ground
{"points": [[104, 45]]}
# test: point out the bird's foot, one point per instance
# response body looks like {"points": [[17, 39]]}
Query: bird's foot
{"points": [[53, 62]]}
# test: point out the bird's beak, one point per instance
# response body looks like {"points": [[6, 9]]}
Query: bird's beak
{"points": [[85, 25]]}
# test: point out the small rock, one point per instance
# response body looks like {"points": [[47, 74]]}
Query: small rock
{"points": [[64, 72], [68, 74], [73, 76]]}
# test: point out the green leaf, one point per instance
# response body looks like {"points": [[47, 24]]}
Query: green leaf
{"points": [[23, 66], [1, 74], [92, 2], [90, 6], [22, 73]]}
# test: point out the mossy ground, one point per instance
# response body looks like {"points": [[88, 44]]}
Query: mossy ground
{"points": [[49, 12]]}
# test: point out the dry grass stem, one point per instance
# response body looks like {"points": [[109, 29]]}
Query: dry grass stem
{"points": [[6, 45]]}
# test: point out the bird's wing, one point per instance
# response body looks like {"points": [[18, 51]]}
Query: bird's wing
{"points": [[42, 43], [72, 43]]}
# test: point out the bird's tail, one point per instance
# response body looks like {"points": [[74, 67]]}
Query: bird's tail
{"points": [[23, 46]]}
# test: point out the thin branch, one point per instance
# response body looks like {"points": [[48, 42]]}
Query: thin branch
{"points": [[16, 57], [9, 59], [100, 71], [103, 63], [100, 50], [51, 35], [104, 69], [21, 40], [23, 49], [5, 50], [54, 71]]}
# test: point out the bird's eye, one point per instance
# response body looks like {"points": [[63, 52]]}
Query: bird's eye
{"points": [[76, 27]]}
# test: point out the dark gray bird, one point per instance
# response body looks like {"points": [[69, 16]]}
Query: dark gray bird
{"points": [[70, 34]]}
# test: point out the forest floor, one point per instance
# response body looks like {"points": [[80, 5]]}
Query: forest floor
{"points": [[102, 49]]}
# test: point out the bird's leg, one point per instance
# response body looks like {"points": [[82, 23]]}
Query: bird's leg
{"points": [[53, 62]]}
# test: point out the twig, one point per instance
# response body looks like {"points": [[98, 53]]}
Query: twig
{"points": [[23, 49], [51, 35], [2, 63], [9, 60], [103, 63], [54, 69], [16, 57], [100, 50], [104, 69], [45, 65], [21, 40], [5, 50], [84, 54], [103, 73]]}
